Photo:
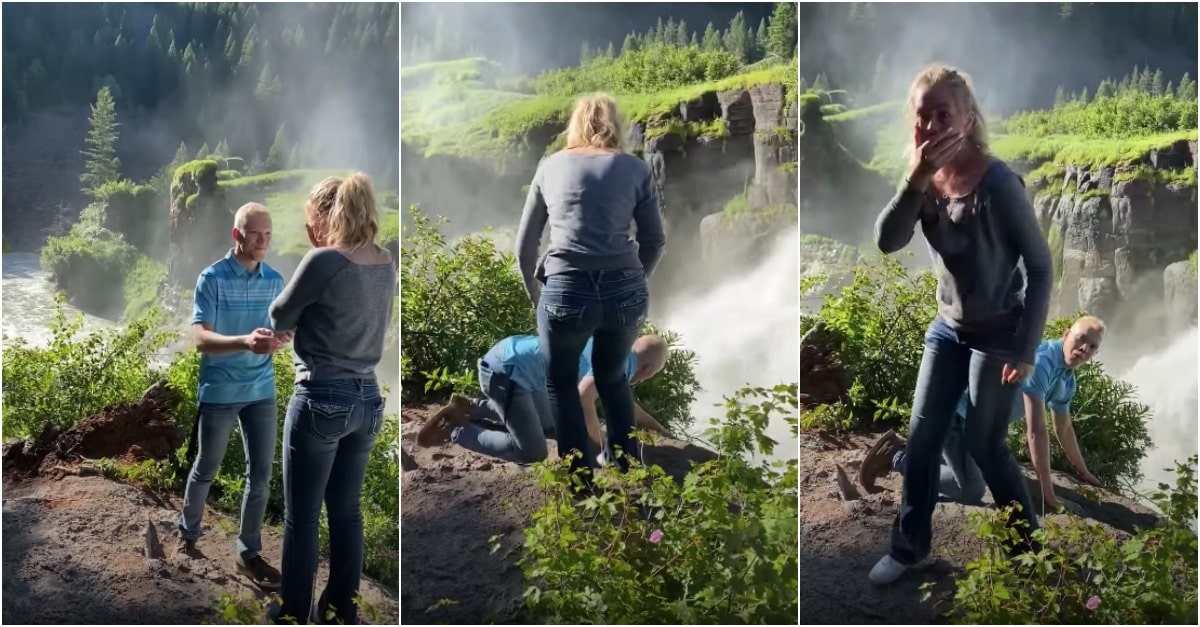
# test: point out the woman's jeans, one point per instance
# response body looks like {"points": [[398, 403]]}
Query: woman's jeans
{"points": [[959, 478], [525, 415], [328, 435], [955, 361], [609, 306]]}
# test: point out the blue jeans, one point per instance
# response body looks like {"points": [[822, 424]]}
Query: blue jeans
{"points": [[609, 306], [525, 415], [955, 361], [258, 421], [959, 478], [328, 435]]}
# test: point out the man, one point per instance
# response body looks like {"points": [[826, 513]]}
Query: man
{"points": [[230, 328], [513, 379], [1052, 383]]}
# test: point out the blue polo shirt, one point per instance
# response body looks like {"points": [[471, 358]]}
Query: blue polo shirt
{"points": [[1051, 381], [235, 301], [521, 356]]}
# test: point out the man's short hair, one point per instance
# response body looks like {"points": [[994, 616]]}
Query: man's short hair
{"points": [[245, 211], [1090, 322]]}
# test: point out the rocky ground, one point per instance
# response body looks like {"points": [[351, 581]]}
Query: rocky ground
{"points": [[82, 549], [452, 502], [841, 539]]}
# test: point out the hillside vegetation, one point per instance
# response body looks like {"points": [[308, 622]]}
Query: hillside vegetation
{"points": [[469, 108]]}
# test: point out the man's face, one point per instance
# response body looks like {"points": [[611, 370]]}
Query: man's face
{"points": [[255, 239], [1080, 345], [645, 371]]}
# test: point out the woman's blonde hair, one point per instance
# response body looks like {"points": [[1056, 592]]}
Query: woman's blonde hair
{"points": [[961, 89], [346, 207], [595, 123]]}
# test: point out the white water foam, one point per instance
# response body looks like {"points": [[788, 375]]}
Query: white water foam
{"points": [[746, 331]]}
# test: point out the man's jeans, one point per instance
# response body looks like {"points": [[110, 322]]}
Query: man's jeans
{"points": [[525, 415], [258, 420], [954, 362], [609, 306], [328, 435], [960, 479]]}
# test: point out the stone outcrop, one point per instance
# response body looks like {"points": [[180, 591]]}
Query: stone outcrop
{"points": [[1179, 291], [1113, 231]]}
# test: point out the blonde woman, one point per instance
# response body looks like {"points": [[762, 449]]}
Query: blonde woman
{"points": [[339, 303], [979, 225], [591, 282]]}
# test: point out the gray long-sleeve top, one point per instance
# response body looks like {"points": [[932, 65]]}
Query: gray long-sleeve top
{"points": [[589, 201], [340, 312], [976, 242]]}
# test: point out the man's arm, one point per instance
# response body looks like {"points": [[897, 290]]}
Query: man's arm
{"points": [[1039, 446], [646, 421], [210, 342], [1064, 430], [588, 396]]}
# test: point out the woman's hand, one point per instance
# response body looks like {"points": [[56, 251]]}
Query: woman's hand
{"points": [[1016, 373], [932, 154]]}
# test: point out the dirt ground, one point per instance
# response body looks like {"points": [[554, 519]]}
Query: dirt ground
{"points": [[451, 505], [841, 540], [74, 552]]}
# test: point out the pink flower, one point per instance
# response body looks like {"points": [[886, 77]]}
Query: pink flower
{"points": [[656, 536], [1093, 602]]}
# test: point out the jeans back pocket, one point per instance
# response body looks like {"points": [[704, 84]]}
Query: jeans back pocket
{"points": [[329, 419]]}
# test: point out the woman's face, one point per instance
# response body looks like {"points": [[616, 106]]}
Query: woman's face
{"points": [[315, 228], [938, 112]]}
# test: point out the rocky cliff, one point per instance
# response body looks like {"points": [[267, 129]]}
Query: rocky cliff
{"points": [[1114, 230], [704, 153]]}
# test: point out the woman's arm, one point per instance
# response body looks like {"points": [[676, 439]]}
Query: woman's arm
{"points": [[308, 282], [650, 236], [897, 223], [1026, 237], [529, 235]]}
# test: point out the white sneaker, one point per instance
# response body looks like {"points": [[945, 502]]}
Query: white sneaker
{"points": [[886, 571], [601, 460]]}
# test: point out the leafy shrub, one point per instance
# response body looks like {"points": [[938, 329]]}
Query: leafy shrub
{"points": [[1130, 114], [1083, 575], [458, 299], [653, 68], [89, 263], [73, 377], [881, 318], [141, 286], [721, 547], [133, 211]]}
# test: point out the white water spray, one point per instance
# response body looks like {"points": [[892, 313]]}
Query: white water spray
{"points": [[29, 305], [1167, 382], [746, 331]]}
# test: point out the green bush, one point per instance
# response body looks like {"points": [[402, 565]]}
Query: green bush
{"points": [[1083, 575], [73, 377], [141, 286], [881, 318], [1130, 114], [134, 211], [653, 68], [458, 299], [89, 263], [719, 548]]}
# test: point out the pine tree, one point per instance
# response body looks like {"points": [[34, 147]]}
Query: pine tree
{"points": [[1146, 83], [821, 83], [609, 53], [101, 164], [1187, 88], [204, 152], [274, 160], [1105, 90], [681, 34], [760, 38], [781, 31], [735, 39], [695, 42], [630, 44], [1083, 97], [711, 41], [1156, 83], [1060, 98], [222, 150], [585, 54]]}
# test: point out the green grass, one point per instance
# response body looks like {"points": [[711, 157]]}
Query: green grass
{"points": [[467, 121], [287, 221], [1081, 151], [1192, 263], [882, 110]]}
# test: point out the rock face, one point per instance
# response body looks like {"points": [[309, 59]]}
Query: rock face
{"points": [[823, 378], [1179, 289], [1113, 231]]}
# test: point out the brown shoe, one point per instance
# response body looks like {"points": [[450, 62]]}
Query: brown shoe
{"points": [[878, 461], [259, 571], [437, 429]]}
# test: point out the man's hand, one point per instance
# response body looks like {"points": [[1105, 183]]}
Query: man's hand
{"points": [[261, 342], [1089, 478], [1015, 373], [281, 339], [1052, 505]]}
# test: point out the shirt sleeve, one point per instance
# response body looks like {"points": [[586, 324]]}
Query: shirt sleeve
{"points": [[204, 301], [1025, 235], [529, 235], [1062, 405], [647, 215], [897, 223], [304, 289], [1038, 384]]}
